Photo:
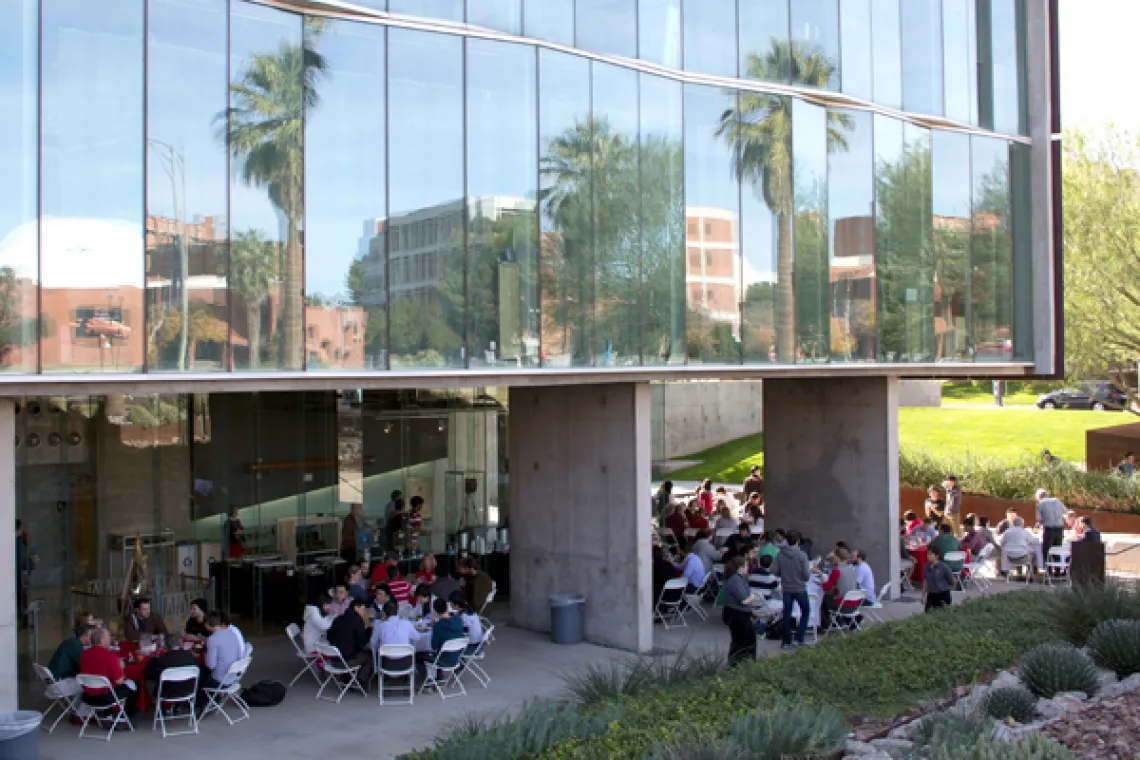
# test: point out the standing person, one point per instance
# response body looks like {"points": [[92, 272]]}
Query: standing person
{"points": [[1051, 517], [663, 499], [395, 504], [235, 535], [738, 598], [953, 501], [934, 505], [353, 522], [394, 518], [753, 483], [1127, 466], [23, 570], [938, 580], [792, 567], [705, 497]]}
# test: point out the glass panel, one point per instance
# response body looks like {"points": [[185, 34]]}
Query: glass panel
{"points": [[19, 234], [617, 217], [448, 10], [271, 75], [607, 26], [855, 42], [1021, 210], [851, 215], [761, 139], [712, 250], [951, 200], [815, 43], [903, 242], [425, 192], [502, 179], [1008, 51], [92, 173], [710, 27], [186, 263], [958, 30], [663, 222], [922, 56], [549, 20], [886, 52], [764, 39], [810, 132], [504, 15], [991, 261], [345, 201], [565, 139], [659, 32]]}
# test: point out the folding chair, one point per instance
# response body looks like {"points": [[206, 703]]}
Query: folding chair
{"points": [[973, 571], [1061, 560], [183, 675], [217, 698], [487, 602], [874, 611], [668, 607], [695, 600], [1026, 563], [472, 656], [959, 557], [310, 666], [722, 535], [396, 652], [849, 611], [487, 628], [447, 663], [116, 710], [337, 669], [63, 695]]}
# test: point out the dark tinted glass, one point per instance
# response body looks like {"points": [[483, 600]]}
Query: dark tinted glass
{"points": [[851, 263], [991, 255], [1021, 211], [1007, 49]]}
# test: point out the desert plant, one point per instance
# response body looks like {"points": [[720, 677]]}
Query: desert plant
{"points": [[700, 749], [540, 726], [788, 729], [597, 682], [1052, 668], [1074, 613], [1015, 703], [1033, 747], [1115, 645], [947, 731]]}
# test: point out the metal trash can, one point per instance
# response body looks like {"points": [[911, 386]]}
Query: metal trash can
{"points": [[566, 613], [19, 735]]}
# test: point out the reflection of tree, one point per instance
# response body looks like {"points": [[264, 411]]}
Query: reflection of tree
{"points": [[253, 273], [951, 259], [991, 261], [663, 257], [264, 129], [16, 329], [500, 282], [759, 130], [204, 328]]}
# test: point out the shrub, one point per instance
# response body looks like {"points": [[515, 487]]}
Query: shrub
{"points": [[1076, 612], [946, 731], [1033, 747], [1115, 644], [598, 682], [540, 726], [1018, 704], [1052, 668], [140, 416]]}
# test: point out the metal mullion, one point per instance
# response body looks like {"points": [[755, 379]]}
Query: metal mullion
{"points": [[40, 186], [466, 216], [538, 195], [301, 243], [145, 179], [229, 349], [387, 202]]}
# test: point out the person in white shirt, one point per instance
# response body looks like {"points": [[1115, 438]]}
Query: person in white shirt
{"points": [[225, 646], [317, 621], [1016, 543], [864, 576]]}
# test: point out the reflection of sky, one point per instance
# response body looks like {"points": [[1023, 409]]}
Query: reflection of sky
{"points": [[607, 26], [850, 176], [18, 106], [951, 170], [501, 114]]}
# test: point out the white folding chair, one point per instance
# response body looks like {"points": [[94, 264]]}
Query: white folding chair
{"points": [[447, 663], [1060, 560], [310, 666], [473, 657], [722, 535], [1026, 563], [490, 598], [695, 600], [690, 534], [960, 558], [875, 611], [230, 692], [396, 652], [974, 571], [63, 695], [487, 628], [848, 615], [115, 710], [183, 675], [668, 607], [339, 671]]}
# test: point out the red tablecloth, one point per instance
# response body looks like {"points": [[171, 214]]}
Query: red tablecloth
{"points": [[918, 572], [134, 671]]}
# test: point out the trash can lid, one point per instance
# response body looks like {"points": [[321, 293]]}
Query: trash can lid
{"points": [[563, 600], [16, 724]]}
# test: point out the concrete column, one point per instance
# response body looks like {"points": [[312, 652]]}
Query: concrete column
{"points": [[9, 682], [580, 516], [831, 467]]}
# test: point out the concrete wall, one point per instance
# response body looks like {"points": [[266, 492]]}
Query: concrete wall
{"points": [[579, 509], [691, 417], [920, 393], [831, 464]]}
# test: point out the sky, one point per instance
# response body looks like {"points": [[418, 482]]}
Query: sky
{"points": [[1098, 36]]}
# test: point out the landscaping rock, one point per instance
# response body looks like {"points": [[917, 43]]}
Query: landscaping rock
{"points": [[859, 749], [1127, 686], [906, 731], [1005, 680], [1108, 729], [1062, 704], [1106, 678], [898, 749]]}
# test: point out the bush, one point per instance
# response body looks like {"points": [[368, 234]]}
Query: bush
{"points": [[1115, 645], [140, 416], [949, 731], [1032, 747], [540, 726], [1018, 704], [1052, 668], [598, 682], [1076, 612]]}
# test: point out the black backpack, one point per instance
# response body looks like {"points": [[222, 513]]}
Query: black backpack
{"points": [[264, 694]]}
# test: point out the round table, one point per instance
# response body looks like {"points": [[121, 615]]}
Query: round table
{"points": [[918, 572], [134, 671]]}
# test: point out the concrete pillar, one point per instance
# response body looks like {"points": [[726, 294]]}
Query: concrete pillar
{"points": [[580, 517], [9, 682], [831, 467]]}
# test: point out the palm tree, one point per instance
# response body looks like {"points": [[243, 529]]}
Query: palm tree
{"points": [[253, 273], [263, 128], [759, 130]]}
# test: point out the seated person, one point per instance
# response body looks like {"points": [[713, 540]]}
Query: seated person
{"points": [[446, 628], [472, 623], [693, 571], [98, 660], [946, 543], [380, 571], [224, 647], [428, 565], [479, 584], [912, 522], [393, 630], [1016, 547], [974, 540], [738, 544], [984, 529], [763, 580], [349, 634], [725, 522], [1007, 523], [142, 620], [196, 622], [318, 618], [176, 657], [704, 549], [926, 532], [864, 576], [1087, 531], [424, 602], [765, 546], [64, 663], [340, 600], [397, 586], [677, 523], [698, 520], [446, 585], [380, 596], [663, 570], [839, 581], [354, 582]]}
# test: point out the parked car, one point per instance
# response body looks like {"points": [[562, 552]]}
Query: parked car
{"points": [[1098, 396]]}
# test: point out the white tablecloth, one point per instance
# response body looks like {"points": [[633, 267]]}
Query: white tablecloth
{"points": [[815, 598]]}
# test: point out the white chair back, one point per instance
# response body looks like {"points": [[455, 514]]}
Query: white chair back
{"points": [[884, 592], [44, 674], [177, 675], [955, 557], [93, 682], [395, 651], [452, 646], [237, 671], [851, 598]]}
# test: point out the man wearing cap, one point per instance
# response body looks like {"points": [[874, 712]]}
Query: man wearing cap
{"points": [[753, 483], [953, 510], [1051, 517]]}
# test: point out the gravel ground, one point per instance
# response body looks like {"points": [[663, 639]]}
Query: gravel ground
{"points": [[1108, 730]]}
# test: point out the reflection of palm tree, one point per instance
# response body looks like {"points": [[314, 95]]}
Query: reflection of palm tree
{"points": [[264, 128], [253, 272], [759, 130]]}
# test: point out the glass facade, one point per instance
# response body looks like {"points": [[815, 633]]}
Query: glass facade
{"points": [[220, 186]]}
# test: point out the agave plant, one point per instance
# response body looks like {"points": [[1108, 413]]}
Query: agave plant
{"points": [[1052, 668], [1015, 703], [1115, 644]]}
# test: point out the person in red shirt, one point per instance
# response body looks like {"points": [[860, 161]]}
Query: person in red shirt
{"points": [[380, 571], [426, 573], [398, 587], [912, 522], [705, 499], [98, 660], [676, 523], [698, 520]]}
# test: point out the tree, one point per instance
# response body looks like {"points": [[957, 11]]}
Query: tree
{"points": [[1101, 195], [759, 130], [264, 131], [253, 273]]}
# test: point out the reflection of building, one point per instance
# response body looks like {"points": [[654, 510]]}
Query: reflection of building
{"points": [[712, 264], [334, 336]]}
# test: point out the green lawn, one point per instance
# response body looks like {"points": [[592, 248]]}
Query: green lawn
{"points": [[973, 395], [1007, 434]]}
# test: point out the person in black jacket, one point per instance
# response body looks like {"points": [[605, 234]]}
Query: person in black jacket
{"points": [[349, 633], [175, 658]]}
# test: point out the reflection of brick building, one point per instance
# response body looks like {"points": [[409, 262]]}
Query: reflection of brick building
{"points": [[334, 336], [712, 264]]}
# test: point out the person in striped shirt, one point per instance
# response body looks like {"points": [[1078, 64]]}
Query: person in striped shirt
{"points": [[398, 587]]}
